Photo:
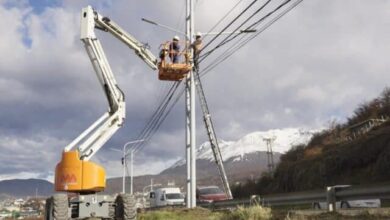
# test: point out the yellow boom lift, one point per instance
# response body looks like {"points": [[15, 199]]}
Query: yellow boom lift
{"points": [[78, 179], [75, 174]]}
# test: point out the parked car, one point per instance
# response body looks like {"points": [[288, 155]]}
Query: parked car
{"points": [[366, 203], [210, 194], [166, 197], [345, 204]]}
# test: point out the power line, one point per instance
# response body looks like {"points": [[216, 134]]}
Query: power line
{"points": [[223, 18], [255, 24], [156, 117], [145, 133], [157, 120], [227, 26], [226, 39], [162, 120], [234, 48], [158, 109], [160, 114]]}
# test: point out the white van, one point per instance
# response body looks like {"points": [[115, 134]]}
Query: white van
{"points": [[166, 197]]}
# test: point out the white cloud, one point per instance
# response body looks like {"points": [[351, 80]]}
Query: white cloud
{"points": [[28, 156]]}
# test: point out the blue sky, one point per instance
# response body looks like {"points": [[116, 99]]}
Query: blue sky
{"points": [[40, 5]]}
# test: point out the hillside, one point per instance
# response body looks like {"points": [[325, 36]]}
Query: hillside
{"points": [[252, 166], [254, 142], [355, 152], [26, 187], [361, 161], [244, 159]]}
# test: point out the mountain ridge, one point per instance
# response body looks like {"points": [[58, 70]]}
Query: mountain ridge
{"points": [[243, 159], [26, 187], [253, 142]]}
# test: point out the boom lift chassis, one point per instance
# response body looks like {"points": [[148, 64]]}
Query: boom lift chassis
{"points": [[75, 174]]}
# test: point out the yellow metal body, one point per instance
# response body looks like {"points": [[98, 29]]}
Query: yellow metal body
{"points": [[75, 175]]}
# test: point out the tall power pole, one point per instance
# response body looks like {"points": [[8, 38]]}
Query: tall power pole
{"points": [[270, 154], [190, 113]]}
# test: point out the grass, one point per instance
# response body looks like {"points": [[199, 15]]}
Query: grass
{"points": [[261, 213], [250, 213], [241, 213], [181, 214]]}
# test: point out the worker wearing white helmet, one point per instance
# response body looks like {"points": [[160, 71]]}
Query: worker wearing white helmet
{"points": [[174, 50], [197, 44]]}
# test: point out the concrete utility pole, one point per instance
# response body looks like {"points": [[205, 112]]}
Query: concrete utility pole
{"points": [[270, 154], [190, 113], [125, 152], [131, 171]]}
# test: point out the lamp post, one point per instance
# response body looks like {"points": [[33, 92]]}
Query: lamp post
{"points": [[203, 34], [124, 162], [131, 170]]}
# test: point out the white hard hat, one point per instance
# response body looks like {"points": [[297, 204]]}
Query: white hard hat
{"points": [[198, 34], [176, 37]]}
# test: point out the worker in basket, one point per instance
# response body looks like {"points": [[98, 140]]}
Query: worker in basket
{"points": [[197, 44], [174, 50], [197, 47], [175, 70]]}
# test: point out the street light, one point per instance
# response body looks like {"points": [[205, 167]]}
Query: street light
{"points": [[203, 34], [124, 164], [163, 26]]}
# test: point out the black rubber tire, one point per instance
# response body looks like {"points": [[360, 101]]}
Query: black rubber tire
{"points": [[125, 207], [48, 209], [345, 205], [57, 207]]}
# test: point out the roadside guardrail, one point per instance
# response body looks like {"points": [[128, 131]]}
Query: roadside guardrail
{"points": [[330, 195]]}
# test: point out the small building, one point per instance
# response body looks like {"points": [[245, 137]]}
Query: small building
{"points": [[5, 214], [12, 208], [19, 202]]}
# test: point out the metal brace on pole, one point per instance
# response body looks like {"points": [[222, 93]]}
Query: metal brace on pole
{"points": [[331, 198]]}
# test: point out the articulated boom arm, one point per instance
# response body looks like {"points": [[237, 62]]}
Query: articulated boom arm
{"points": [[93, 138]]}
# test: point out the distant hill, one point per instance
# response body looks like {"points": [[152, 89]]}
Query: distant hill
{"points": [[26, 187], [355, 152], [238, 170], [244, 159]]}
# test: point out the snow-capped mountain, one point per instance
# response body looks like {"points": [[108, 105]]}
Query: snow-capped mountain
{"points": [[284, 139], [244, 159]]}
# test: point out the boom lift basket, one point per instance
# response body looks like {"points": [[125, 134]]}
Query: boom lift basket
{"points": [[172, 71]]}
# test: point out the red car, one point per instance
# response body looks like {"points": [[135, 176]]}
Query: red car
{"points": [[210, 194]]}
